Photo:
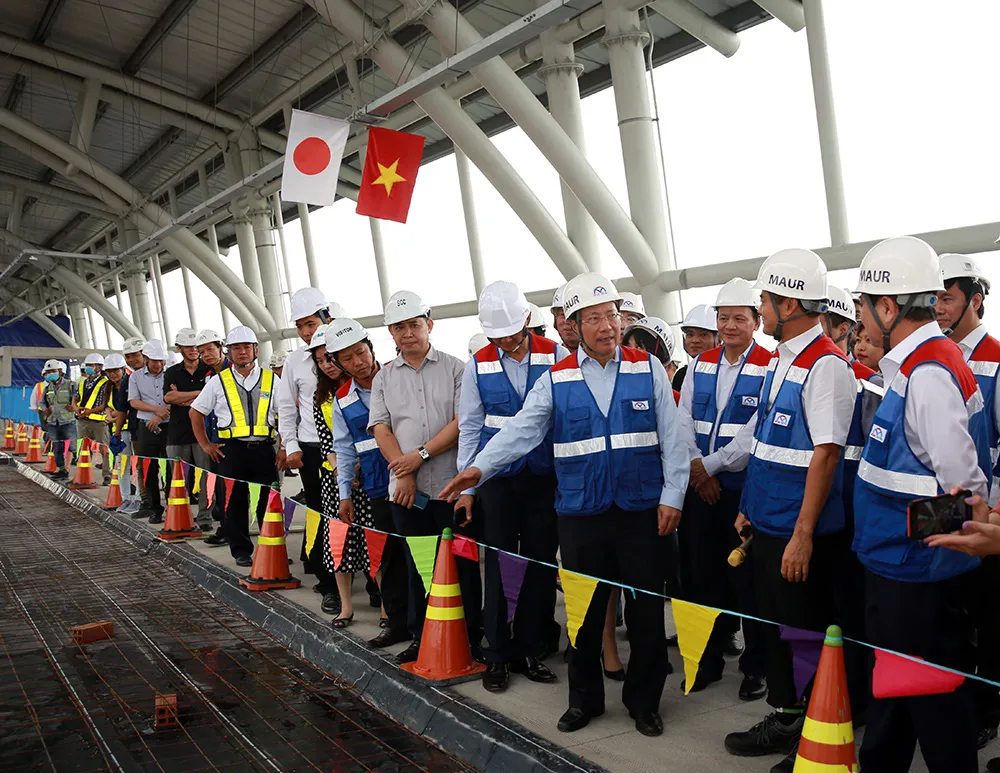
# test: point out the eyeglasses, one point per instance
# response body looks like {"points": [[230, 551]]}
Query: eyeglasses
{"points": [[596, 319]]}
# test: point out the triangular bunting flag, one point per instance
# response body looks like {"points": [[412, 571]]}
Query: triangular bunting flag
{"points": [[338, 538], [210, 487], [254, 499], [312, 526], [694, 625], [145, 468], [422, 550], [197, 481], [66, 446], [806, 646], [512, 571], [289, 514], [164, 471], [229, 491], [465, 548], [79, 445], [899, 677], [135, 466], [376, 546], [122, 464], [577, 593]]}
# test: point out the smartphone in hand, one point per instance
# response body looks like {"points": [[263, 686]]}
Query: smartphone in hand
{"points": [[420, 500], [937, 515]]}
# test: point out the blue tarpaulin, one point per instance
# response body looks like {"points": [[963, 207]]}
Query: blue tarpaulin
{"points": [[26, 332]]}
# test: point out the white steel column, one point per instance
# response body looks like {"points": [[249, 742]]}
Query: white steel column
{"points": [[826, 123], [307, 245], [471, 224], [161, 302], [79, 323], [279, 222], [263, 236], [107, 325], [624, 40], [17, 205], [116, 280], [192, 316], [213, 242], [91, 326]]}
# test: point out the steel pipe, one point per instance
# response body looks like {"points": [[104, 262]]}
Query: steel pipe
{"points": [[471, 224], [788, 12], [698, 25]]}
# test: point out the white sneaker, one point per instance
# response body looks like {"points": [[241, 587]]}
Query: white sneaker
{"points": [[123, 508]]}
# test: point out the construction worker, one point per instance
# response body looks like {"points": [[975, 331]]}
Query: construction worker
{"points": [[60, 419], [277, 362], [117, 420], [145, 394], [129, 423], [184, 382], [536, 323], [718, 408], [565, 330], [36, 405], [868, 347], [212, 353], [960, 308], [90, 405], [477, 342], [518, 504], [413, 416], [700, 332], [632, 310], [929, 433], [653, 335], [793, 494], [241, 398], [621, 471]]}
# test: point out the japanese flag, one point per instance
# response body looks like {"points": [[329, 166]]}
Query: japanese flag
{"points": [[312, 158]]}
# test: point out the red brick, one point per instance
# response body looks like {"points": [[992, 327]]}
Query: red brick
{"points": [[166, 709], [85, 634]]}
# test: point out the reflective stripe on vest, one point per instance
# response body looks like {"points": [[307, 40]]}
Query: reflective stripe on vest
{"points": [[91, 400], [374, 468], [240, 427]]}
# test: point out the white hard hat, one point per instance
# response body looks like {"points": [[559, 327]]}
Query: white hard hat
{"points": [[841, 303], [342, 333], [658, 328], [794, 273], [477, 342], [306, 302], [154, 349], [738, 292], [132, 345], [186, 336], [113, 361], [241, 334], [278, 357], [632, 303], [53, 365], [954, 266], [537, 316], [208, 336], [93, 359], [557, 298], [318, 338], [586, 290], [902, 266], [503, 310], [405, 305], [702, 317]]}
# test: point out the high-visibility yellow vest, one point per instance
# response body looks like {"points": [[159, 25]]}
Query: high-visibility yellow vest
{"points": [[240, 426], [327, 409], [91, 400], [113, 409]]}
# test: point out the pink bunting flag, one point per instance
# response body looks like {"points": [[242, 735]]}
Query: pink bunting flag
{"points": [[210, 488], [290, 505], [376, 546], [465, 547], [229, 490], [338, 537], [135, 466], [512, 571], [67, 444], [899, 677]]}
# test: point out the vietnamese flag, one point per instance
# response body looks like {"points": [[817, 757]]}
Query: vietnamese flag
{"points": [[390, 173]]}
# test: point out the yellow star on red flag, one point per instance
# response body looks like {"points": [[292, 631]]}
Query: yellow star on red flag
{"points": [[388, 176]]}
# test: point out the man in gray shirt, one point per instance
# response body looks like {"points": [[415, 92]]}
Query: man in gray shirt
{"points": [[414, 418], [145, 394]]}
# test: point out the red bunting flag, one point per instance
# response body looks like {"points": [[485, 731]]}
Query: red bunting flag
{"points": [[899, 677], [391, 166], [210, 488], [135, 463], [229, 490], [145, 468], [465, 547], [338, 537], [376, 546]]}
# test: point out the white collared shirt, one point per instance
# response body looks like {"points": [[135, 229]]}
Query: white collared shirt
{"points": [[295, 401]]}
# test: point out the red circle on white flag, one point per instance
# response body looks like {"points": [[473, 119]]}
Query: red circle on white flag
{"points": [[311, 156]]}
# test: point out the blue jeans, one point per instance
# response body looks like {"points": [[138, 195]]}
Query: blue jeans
{"points": [[60, 433]]}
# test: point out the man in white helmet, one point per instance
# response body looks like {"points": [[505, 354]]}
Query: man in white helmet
{"points": [[632, 310], [59, 416], [518, 504], [413, 416], [117, 420], [536, 322], [212, 354], [145, 394], [129, 423], [700, 332], [621, 471], [477, 342], [718, 408], [90, 405], [241, 397], [184, 382], [565, 330], [793, 493], [277, 362], [929, 433]]}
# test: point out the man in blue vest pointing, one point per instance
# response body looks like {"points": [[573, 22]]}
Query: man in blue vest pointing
{"points": [[621, 472]]}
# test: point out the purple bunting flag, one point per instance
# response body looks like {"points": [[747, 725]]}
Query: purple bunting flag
{"points": [[512, 571], [289, 512], [806, 649]]}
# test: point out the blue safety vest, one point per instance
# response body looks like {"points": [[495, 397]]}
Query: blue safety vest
{"points": [[601, 460], [856, 439], [741, 407], [783, 449], [501, 400], [890, 475], [374, 468], [983, 362]]}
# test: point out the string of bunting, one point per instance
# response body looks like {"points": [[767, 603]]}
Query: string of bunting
{"points": [[896, 674]]}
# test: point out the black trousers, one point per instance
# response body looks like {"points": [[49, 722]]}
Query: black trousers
{"points": [[930, 621], [432, 520], [714, 583], [619, 546], [252, 462], [985, 607], [519, 516], [393, 567], [312, 463], [154, 445]]}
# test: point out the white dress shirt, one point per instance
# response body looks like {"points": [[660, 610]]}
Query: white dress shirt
{"points": [[213, 398], [828, 395], [937, 419], [295, 401]]}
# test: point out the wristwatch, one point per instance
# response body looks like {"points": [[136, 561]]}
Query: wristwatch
{"points": [[424, 453]]}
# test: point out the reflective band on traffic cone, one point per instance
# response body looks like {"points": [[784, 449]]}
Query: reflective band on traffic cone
{"points": [[21, 448], [114, 499], [178, 523], [50, 460], [35, 447], [444, 644], [83, 477], [9, 442], [270, 561], [827, 743]]}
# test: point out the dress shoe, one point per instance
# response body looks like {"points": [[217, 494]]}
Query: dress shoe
{"points": [[769, 736], [753, 688], [389, 637], [672, 641], [216, 540], [331, 603], [576, 719], [701, 681], [733, 648], [648, 723], [477, 653], [244, 561], [142, 512], [496, 677], [156, 518], [787, 765], [534, 670], [615, 676], [59, 475], [410, 653], [984, 736]]}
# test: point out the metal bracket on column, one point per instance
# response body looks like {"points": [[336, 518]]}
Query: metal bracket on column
{"points": [[560, 67]]}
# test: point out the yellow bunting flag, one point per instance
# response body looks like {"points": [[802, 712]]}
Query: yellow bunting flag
{"points": [[423, 551], [124, 463], [578, 590], [254, 498], [163, 470], [197, 481], [312, 527], [694, 625], [79, 445]]}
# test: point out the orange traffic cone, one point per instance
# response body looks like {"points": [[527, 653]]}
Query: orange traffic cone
{"points": [[114, 499], [8, 439], [21, 448], [50, 459], [444, 645], [178, 523], [828, 734], [35, 447], [83, 476], [270, 561]]}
